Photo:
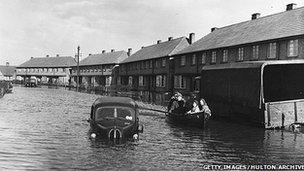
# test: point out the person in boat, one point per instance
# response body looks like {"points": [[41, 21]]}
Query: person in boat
{"points": [[190, 102], [195, 108], [177, 106], [204, 108]]}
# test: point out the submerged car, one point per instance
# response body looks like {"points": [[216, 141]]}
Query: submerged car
{"points": [[115, 118]]}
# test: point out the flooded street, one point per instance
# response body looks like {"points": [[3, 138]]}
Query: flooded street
{"points": [[44, 129]]}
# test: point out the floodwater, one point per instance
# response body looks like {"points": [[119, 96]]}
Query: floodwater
{"points": [[46, 129]]}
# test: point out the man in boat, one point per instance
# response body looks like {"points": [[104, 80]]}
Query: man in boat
{"points": [[195, 107], [190, 102], [177, 106]]}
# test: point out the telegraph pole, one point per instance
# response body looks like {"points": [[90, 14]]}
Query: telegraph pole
{"points": [[77, 86]]}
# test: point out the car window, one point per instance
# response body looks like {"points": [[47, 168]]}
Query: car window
{"points": [[112, 112], [103, 112]]}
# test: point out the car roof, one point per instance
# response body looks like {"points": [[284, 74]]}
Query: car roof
{"points": [[109, 100]]}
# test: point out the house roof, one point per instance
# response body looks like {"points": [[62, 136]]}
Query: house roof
{"points": [[104, 58], [163, 49], [280, 25], [251, 64], [7, 70], [40, 62]]}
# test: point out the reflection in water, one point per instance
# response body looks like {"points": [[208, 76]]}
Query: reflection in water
{"points": [[47, 129]]}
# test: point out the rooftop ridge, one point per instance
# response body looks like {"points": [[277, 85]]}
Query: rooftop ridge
{"points": [[164, 42], [262, 17]]}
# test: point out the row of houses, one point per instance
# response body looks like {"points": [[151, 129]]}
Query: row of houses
{"points": [[175, 64]]}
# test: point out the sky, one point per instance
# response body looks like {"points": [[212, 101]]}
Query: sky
{"points": [[36, 28]]}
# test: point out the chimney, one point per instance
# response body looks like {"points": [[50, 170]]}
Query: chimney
{"points": [[57, 55], [213, 29], [191, 38], [103, 51], [158, 41], [291, 6], [47, 56], [129, 51], [32, 57], [90, 54], [7, 63], [170, 38], [112, 50], [142, 47], [255, 16]]}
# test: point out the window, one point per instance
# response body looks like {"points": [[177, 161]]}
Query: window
{"points": [[108, 80], [151, 64], [143, 64], [193, 61], [255, 52], [213, 57], [179, 82], [183, 61], [141, 80], [204, 58], [156, 63], [163, 62], [240, 54], [272, 53], [160, 81], [292, 48], [225, 55], [119, 80], [130, 80]]}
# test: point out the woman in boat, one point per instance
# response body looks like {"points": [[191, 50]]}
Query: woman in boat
{"points": [[178, 103]]}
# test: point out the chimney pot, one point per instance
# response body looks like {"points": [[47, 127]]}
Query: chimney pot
{"points": [[191, 38], [142, 47], [90, 54], [57, 55], [32, 57], [255, 16], [112, 50], [7, 63], [170, 38], [103, 51], [47, 56], [213, 29], [158, 41], [129, 51], [291, 6]]}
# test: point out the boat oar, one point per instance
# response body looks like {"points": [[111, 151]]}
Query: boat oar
{"points": [[155, 110]]}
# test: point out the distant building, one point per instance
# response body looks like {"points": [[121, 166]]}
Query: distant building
{"points": [[148, 70], [7, 72], [51, 70], [275, 37], [98, 69]]}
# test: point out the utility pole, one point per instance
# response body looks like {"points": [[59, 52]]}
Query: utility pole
{"points": [[77, 86]]}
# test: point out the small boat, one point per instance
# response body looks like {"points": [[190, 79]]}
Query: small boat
{"points": [[198, 119], [115, 118]]}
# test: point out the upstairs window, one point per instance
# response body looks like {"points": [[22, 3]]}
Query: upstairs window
{"points": [[163, 62], [193, 61], [141, 80], [179, 82], [225, 55], [183, 61], [255, 52], [160, 81], [240, 54], [292, 48], [203, 58], [272, 53], [213, 57], [130, 80], [151, 64]]}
